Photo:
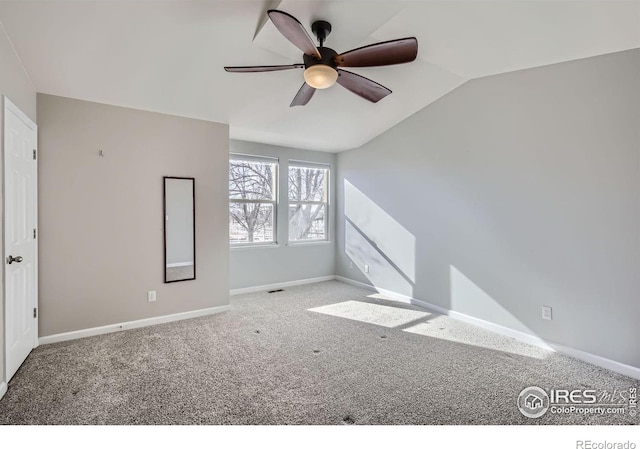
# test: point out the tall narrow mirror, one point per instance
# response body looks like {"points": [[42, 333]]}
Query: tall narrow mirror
{"points": [[179, 229]]}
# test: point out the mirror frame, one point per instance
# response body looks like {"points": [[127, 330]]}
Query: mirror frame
{"points": [[164, 225]]}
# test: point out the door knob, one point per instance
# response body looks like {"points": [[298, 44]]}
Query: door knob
{"points": [[12, 259]]}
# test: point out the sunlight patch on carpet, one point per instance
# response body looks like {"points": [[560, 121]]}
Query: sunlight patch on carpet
{"points": [[457, 332], [371, 313]]}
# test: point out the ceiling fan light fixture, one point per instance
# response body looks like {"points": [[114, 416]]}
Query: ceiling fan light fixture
{"points": [[320, 76], [324, 67]]}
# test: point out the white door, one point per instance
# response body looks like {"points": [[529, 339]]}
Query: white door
{"points": [[20, 250]]}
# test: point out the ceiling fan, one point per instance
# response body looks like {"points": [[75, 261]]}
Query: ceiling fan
{"points": [[323, 65]]}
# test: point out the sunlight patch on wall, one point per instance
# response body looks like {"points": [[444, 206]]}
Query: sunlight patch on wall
{"points": [[389, 236], [374, 238], [385, 316], [382, 274], [470, 299]]}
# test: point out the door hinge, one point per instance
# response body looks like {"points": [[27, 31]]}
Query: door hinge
{"points": [[35, 312], [34, 154], [34, 233]]}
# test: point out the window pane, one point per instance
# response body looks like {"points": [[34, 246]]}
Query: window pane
{"points": [[250, 222], [307, 184], [307, 222], [251, 180]]}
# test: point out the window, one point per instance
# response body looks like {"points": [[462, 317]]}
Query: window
{"points": [[308, 194], [252, 199]]}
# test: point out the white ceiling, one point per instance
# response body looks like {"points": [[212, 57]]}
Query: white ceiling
{"points": [[167, 56]]}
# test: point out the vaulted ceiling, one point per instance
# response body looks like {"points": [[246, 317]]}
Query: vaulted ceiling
{"points": [[168, 56]]}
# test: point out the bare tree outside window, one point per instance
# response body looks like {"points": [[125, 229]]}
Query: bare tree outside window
{"points": [[252, 201], [307, 203]]}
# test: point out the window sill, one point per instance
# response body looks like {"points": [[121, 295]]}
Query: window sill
{"points": [[310, 243], [254, 246]]}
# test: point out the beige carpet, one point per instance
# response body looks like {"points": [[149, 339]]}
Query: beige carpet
{"points": [[316, 354], [180, 273]]}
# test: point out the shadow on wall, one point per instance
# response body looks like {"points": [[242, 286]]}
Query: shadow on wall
{"points": [[375, 238]]}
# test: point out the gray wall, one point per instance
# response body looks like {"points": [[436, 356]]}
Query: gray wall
{"points": [[281, 263], [512, 192], [101, 217], [15, 84]]}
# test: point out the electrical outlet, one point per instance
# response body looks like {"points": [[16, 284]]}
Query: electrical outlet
{"points": [[366, 268], [351, 264], [546, 313], [151, 296]]}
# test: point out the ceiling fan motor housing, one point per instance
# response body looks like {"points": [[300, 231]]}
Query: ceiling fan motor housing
{"points": [[328, 57]]}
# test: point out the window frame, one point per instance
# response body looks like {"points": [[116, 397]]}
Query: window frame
{"points": [[276, 180], [327, 195]]}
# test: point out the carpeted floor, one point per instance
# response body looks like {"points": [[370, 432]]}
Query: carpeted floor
{"points": [[271, 360], [179, 273]]}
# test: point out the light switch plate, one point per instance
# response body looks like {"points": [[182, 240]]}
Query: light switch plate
{"points": [[546, 313]]}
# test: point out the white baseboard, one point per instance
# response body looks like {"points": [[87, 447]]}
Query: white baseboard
{"points": [[627, 370], [388, 293], [262, 288], [82, 333], [3, 389], [355, 283], [488, 325]]}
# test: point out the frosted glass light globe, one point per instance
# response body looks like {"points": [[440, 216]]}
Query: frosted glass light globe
{"points": [[320, 76]]}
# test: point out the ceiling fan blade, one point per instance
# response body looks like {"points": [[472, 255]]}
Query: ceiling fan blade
{"points": [[303, 96], [293, 30], [263, 68], [384, 53], [359, 85]]}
